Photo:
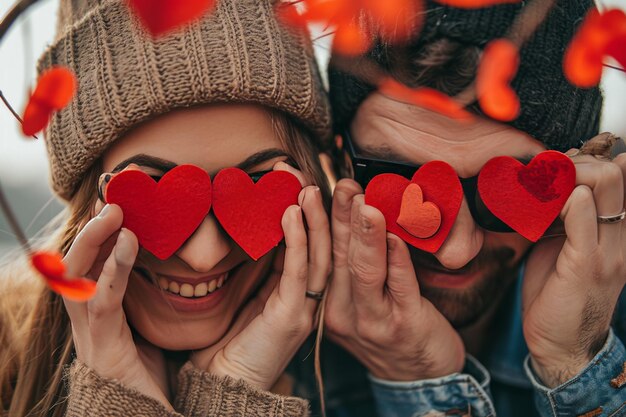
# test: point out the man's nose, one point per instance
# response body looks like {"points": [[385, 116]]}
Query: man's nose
{"points": [[206, 247], [463, 243]]}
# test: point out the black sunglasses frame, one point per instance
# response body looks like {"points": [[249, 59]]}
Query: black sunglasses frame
{"points": [[364, 169]]}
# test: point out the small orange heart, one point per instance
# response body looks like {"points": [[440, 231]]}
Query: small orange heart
{"points": [[420, 219]]}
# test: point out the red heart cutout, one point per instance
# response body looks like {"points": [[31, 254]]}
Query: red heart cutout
{"points": [[419, 218], [251, 213], [163, 215], [161, 16], [528, 198], [440, 185]]}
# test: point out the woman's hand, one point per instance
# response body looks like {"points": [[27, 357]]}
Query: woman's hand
{"points": [[374, 307], [272, 326], [102, 338], [571, 285]]}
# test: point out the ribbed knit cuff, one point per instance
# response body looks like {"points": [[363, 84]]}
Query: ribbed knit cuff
{"points": [[203, 394], [93, 395]]}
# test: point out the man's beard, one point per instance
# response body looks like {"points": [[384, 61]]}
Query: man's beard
{"points": [[463, 307]]}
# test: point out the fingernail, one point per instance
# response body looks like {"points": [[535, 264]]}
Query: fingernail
{"points": [[104, 211], [302, 196], [123, 249]]}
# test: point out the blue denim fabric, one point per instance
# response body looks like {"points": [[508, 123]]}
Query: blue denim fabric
{"points": [[503, 386], [459, 393]]}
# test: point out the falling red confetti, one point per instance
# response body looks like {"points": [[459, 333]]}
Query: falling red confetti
{"points": [[54, 90], [475, 4], [497, 68], [599, 35], [50, 266], [424, 97], [395, 20], [163, 16]]}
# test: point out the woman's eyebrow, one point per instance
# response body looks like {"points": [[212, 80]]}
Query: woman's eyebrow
{"points": [[262, 156], [147, 161], [165, 165]]}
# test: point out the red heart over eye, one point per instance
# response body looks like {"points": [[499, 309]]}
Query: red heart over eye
{"points": [[251, 213], [527, 198], [163, 215], [439, 185]]}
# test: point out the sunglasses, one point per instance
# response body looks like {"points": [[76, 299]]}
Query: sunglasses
{"points": [[365, 169]]}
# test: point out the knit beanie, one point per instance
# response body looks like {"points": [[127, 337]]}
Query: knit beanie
{"points": [[552, 110], [237, 53]]}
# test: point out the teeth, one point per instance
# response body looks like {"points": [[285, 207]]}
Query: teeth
{"points": [[186, 290], [189, 290], [201, 289], [173, 287]]}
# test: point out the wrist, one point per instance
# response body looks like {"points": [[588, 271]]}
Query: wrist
{"points": [[221, 367]]}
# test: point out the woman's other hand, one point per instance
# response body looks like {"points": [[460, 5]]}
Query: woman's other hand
{"points": [[102, 337]]}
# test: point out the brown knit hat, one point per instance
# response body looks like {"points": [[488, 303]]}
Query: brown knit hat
{"points": [[239, 52]]}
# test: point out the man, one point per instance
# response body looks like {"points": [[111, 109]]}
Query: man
{"points": [[489, 320]]}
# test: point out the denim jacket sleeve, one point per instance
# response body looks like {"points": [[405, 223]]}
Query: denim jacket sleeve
{"points": [[591, 391], [458, 392]]}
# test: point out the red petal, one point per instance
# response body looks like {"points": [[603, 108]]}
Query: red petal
{"points": [[35, 118], [78, 289], [55, 88], [350, 39], [50, 266], [497, 68], [599, 35], [424, 97], [162, 16], [475, 4], [332, 12]]}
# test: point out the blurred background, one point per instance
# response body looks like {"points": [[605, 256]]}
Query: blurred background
{"points": [[23, 164]]}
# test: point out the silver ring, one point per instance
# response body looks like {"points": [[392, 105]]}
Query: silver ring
{"points": [[315, 295], [612, 219]]}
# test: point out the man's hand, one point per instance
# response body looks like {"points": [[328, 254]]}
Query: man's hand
{"points": [[374, 307], [571, 285]]}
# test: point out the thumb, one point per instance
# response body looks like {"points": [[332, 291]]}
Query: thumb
{"points": [[401, 278]]}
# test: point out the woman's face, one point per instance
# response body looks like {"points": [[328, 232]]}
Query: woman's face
{"points": [[209, 264]]}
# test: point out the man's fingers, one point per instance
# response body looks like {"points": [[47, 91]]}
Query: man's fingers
{"points": [[401, 280], [580, 221], [367, 257]]}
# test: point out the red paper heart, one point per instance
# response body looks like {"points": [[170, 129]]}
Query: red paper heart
{"points": [[527, 198], [419, 218], [50, 265], [251, 213], [163, 215], [439, 184]]}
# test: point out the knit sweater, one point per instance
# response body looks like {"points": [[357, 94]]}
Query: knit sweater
{"points": [[200, 394]]}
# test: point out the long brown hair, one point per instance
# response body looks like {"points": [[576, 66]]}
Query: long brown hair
{"points": [[37, 348]]}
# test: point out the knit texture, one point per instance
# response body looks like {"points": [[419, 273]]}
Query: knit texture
{"points": [[238, 53], [92, 395], [203, 394], [552, 110]]}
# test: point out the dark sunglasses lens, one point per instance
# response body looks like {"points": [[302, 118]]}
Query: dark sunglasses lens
{"points": [[486, 219]]}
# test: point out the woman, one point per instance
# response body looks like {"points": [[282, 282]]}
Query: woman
{"points": [[195, 333]]}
